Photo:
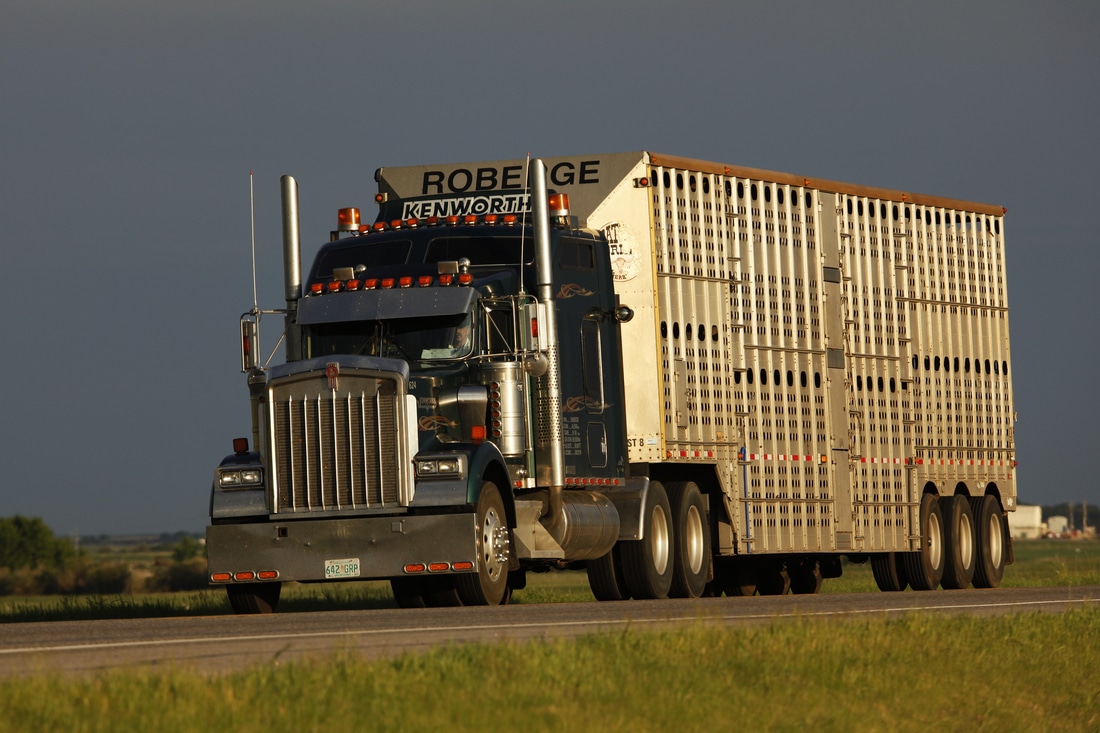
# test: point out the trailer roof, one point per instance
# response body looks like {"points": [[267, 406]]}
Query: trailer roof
{"points": [[822, 184]]}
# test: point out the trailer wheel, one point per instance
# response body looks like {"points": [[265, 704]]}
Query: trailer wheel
{"points": [[924, 568], [605, 577], [488, 585], [889, 571], [806, 577], [691, 535], [647, 563], [958, 522], [774, 578], [254, 597], [736, 576], [989, 536]]}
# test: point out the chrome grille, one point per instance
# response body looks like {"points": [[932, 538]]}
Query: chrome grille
{"points": [[335, 450]]}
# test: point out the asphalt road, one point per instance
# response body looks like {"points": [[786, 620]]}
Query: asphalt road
{"points": [[216, 644]]}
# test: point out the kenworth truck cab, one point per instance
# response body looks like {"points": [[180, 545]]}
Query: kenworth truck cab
{"points": [[447, 375]]}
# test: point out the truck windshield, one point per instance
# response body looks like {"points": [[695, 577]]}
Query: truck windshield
{"points": [[410, 339]]}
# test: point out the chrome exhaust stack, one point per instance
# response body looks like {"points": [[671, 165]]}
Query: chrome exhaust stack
{"points": [[292, 266], [544, 278]]}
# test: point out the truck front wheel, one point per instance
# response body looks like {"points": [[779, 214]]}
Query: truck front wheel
{"points": [[254, 597], [488, 585]]}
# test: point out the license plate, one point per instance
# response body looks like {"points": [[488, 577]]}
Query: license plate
{"points": [[346, 568]]}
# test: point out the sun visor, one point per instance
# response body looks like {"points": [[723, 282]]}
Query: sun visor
{"points": [[377, 305]]}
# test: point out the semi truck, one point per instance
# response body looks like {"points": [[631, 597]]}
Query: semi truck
{"points": [[686, 378]]}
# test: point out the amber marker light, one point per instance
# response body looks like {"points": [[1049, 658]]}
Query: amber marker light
{"points": [[415, 567], [424, 281], [268, 574], [438, 567], [347, 220], [220, 577], [244, 575], [462, 565], [559, 204]]}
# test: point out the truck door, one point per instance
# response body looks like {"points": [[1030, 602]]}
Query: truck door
{"points": [[590, 361]]}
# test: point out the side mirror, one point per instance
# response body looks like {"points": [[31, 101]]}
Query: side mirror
{"points": [[250, 344]]}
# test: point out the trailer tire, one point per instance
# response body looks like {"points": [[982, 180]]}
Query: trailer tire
{"points": [[605, 577], [774, 580], [736, 576], [691, 535], [806, 577], [254, 597], [488, 584], [958, 522], [647, 563], [889, 571], [989, 537], [924, 568]]}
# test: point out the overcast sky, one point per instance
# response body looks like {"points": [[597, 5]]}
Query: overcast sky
{"points": [[128, 129]]}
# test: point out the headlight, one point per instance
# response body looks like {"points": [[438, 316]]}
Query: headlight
{"points": [[449, 467], [240, 478]]}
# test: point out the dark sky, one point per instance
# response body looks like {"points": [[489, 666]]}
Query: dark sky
{"points": [[128, 129]]}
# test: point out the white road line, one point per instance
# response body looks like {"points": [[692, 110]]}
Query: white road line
{"points": [[540, 625]]}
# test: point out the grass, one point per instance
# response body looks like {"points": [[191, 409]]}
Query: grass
{"points": [[1038, 563], [920, 672]]}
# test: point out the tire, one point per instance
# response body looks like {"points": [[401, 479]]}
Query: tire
{"points": [[254, 597], [958, 523], [488, 584], [648, 562], [736, 576], [924, 568], [806, 577], [889, 571], [990, 541], [408, 592], [774, 578], [691, 538], [605, 577]]}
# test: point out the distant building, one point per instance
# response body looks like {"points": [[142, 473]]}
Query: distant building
{"points": [[1057, 525], [1026, 523]]}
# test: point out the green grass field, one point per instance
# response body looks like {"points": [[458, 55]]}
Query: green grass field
{"points": [[1025, 672], [1033, 672]]}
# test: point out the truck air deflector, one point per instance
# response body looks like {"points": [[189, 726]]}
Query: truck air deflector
{"points": [[376, 305]]}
